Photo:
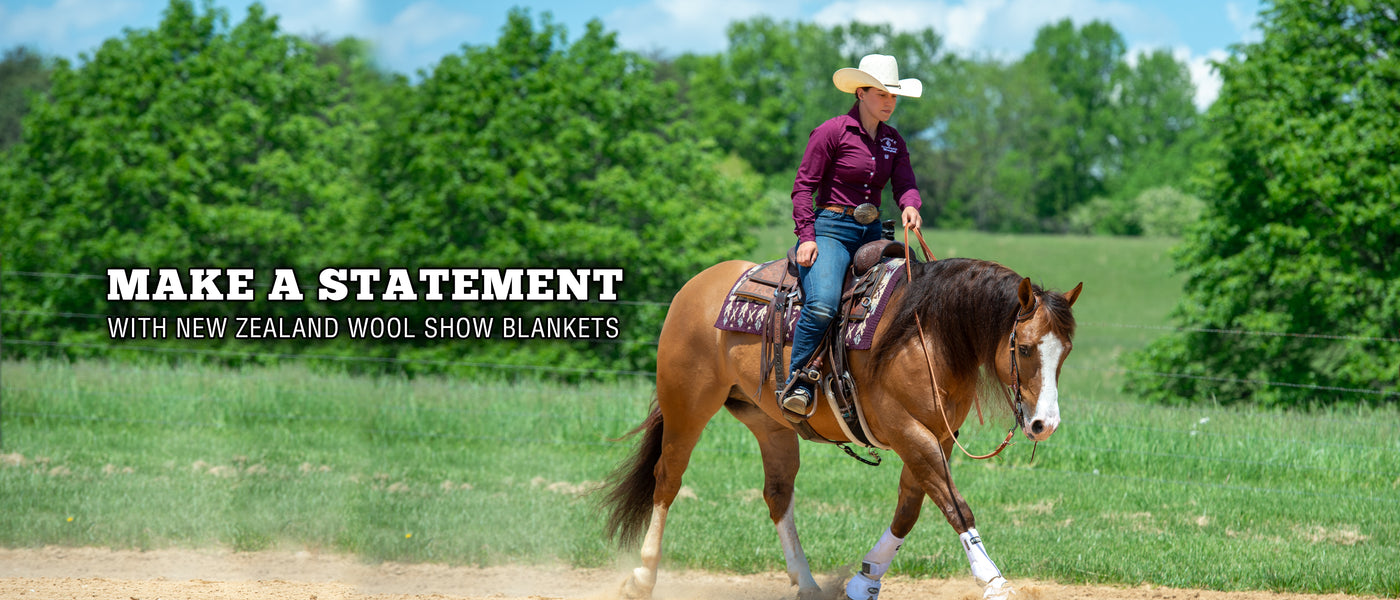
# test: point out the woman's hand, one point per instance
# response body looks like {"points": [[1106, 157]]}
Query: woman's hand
{"points": [[912, 218], [807, 253]]}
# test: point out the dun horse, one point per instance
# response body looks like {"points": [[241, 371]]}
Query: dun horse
{"points": [[980, 320]]}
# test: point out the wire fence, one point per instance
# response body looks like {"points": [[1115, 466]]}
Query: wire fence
{"points": [[546, 438], [621, 423], [556, 436], [664, 304], [1184, 461], [121, 345], [625, 372]]}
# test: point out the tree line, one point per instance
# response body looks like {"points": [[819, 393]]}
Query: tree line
{"points": [[1065, 138], [206, 143]]}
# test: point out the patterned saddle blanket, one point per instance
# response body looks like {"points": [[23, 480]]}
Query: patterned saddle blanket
{"points": [[746, 306]]}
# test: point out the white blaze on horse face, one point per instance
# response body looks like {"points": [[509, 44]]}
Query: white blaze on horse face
{"points": [[1047, 403]]}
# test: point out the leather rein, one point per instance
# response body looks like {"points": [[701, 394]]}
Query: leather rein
{"points": [[1017, 407]]}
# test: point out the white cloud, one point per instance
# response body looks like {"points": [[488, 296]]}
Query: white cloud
{"points": [[1203, 76], [688, 25], [1003, 28], [420, 26], [1007, 28], [1206, 78], [335, 18], [66, 27], [1244, 23], [416, 37]]}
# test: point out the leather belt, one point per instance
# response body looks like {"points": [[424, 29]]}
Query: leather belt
{"points": [[836, 208], [864, 214]]}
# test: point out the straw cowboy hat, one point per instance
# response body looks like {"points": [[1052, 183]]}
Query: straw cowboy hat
{"points": [[880, 71]]}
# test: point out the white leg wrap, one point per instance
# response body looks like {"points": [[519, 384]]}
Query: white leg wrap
{"points": [[879, 558], [861, 587], [982, 566], [865, 585]]}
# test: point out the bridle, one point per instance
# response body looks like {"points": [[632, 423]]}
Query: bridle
{"points": [[1018, 405]]}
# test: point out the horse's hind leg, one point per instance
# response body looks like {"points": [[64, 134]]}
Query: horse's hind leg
{"points": [[686, 406], [781, 459]]}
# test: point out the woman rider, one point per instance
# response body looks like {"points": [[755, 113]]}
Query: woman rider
{"points": [[848, 160]]}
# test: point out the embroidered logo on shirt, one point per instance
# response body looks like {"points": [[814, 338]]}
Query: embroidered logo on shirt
{"points": [[888, 145]]}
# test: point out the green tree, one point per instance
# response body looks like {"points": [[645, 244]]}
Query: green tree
{"points": [[1070, 134], [763, 96], [1081, 66], [1166, 211], [1155, 127], [977, 170], [1301, 234], [540, 152], [23, 72], [380, 94], [1156, 212], [191, 144]]}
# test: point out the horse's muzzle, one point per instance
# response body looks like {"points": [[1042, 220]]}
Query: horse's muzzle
{"points": [[1041, 429]]}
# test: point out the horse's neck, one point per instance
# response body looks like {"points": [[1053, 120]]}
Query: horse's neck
{"points": [[966, 341]]}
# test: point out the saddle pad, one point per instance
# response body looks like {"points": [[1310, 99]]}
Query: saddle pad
{"points": [[744, 315]]}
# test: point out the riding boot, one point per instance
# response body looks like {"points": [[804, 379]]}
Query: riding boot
{"points": [[797, 397]]}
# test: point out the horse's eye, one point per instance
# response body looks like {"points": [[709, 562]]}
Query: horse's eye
{"points": [[1024, 350]]}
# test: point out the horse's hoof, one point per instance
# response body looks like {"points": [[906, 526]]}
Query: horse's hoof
{"points": [[632, 591], [998, 589], [810, 594]]}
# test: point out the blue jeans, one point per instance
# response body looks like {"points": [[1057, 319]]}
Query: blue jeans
{"points": [[838, 238]]}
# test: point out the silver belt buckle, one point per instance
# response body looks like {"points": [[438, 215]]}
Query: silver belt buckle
{"points": [[866, 214]]}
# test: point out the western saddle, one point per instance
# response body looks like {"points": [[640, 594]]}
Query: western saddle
{"points": [[776, 284]]}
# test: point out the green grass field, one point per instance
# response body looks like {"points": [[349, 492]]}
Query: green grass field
{"points": [[475, 472]]}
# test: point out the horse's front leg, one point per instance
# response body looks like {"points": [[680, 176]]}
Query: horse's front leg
{"points": [[933, 474], [926, 473], [865, 585]]}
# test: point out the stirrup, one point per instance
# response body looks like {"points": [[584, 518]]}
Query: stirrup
{"points": [[799, 400], [797, 403]]}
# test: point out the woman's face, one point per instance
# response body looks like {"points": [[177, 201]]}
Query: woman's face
{"points": [[877, 103]]}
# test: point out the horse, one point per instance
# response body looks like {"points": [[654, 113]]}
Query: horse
{"points": [[961, 323]]}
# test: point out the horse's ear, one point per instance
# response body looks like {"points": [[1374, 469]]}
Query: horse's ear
{"points": [[1026, 293], [1073, 294]]}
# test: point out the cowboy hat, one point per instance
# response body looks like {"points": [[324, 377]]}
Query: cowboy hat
{"points": [[880, 71]]}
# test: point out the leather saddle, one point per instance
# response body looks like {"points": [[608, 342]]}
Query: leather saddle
{"points": [[776, 283], [779, 277]]}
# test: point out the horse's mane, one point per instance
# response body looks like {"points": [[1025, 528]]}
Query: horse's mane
{"points": [[967, 306]]}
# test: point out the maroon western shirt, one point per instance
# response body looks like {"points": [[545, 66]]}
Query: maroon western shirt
{"points": [[846, 168]]}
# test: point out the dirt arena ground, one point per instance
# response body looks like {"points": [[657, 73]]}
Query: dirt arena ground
{"points": [[98, 574]]}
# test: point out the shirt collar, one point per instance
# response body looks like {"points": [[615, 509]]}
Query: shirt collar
{"points": [[853, 120]]}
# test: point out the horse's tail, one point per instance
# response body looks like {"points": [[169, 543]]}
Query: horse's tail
{"points": [[631, 487]]}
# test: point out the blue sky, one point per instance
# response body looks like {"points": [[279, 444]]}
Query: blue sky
{"points": [[414, 34]]}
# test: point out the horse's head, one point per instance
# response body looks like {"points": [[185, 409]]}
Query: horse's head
{"points": [[1029, 360]]}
